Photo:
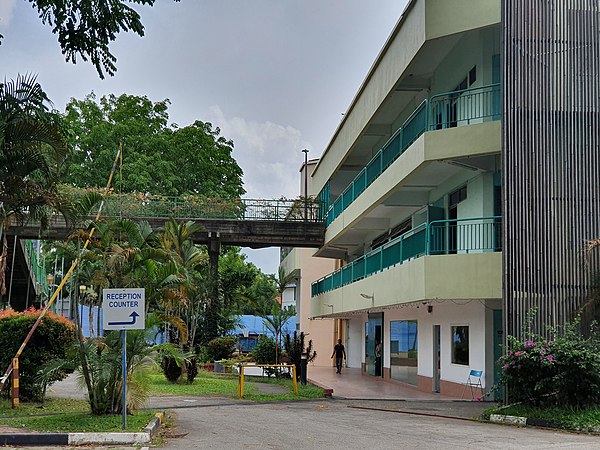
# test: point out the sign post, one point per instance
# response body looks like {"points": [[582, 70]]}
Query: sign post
{"points": [[124, 309]]}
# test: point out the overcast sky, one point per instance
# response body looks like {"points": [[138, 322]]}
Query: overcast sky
{"points": [[274, 75]]}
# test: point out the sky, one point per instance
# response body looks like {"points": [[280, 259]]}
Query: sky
{"points": [[275, 76]]}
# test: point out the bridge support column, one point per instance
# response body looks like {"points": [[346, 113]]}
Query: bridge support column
{"points": [[214, 307]]}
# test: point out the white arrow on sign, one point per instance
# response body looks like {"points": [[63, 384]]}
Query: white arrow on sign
{"points": [[123, 309]]}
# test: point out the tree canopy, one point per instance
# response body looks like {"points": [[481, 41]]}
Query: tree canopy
{"points": [[159, 158], [85, 28]]}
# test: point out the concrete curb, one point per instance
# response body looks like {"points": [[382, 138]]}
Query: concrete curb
{"points": [[526, 421], [327, 391], [46, 439]]}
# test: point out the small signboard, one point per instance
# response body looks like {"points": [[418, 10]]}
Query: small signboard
{"points": [[124, 309]]}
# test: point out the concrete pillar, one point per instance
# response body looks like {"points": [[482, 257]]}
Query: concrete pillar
{"points": [[214, 306]]}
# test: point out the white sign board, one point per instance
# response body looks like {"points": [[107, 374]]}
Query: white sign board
{"points": [[124, 309]]}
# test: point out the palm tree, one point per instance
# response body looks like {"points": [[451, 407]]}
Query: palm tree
{"points": [[32, 152], [279, 316], [177, 241]]}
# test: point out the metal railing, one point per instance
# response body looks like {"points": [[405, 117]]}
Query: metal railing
{"points": [[36, 268], [460, 236], [451, 109], [141, 205], [465, 107]]}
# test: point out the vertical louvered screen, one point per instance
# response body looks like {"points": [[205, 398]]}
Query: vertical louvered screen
{"points": [[551, 157]]}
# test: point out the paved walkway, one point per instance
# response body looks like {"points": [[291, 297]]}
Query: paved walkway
{"points": [[352, 384]]}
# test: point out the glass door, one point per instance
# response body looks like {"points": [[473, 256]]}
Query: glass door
{"points": [[436, 358], [375, 345]]}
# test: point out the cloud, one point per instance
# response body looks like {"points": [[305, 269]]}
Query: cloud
{"points": [[7, 8], [270, 154]]}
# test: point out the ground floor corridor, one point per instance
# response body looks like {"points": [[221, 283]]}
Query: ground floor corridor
{"points": [[353, 384]]}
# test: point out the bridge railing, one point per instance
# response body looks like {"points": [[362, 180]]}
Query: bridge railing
{"points": [[142, 205], [36, 267]]}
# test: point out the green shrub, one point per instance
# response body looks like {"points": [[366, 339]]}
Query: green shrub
{"points": [[264, 351], [171, 370], [191, 369], [295, 347], [220, 348], [564, 371], [53, 337], [171, 359]]}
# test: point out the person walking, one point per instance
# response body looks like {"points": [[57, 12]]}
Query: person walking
{"points": [[339, 352], [377, 358]]}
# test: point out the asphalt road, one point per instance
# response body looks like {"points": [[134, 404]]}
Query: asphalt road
{"points": [[337, 424]]}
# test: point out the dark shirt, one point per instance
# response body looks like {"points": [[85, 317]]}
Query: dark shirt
{"points": [[339, 350]]}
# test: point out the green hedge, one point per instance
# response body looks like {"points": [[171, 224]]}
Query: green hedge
{"points": [[53, 337]]}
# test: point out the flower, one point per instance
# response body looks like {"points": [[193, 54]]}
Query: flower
{"points": [[550, 358], [519, 353], [505, 367], [529, 343]]}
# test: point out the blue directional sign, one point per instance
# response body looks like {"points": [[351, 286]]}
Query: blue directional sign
{"points": [[124, 309]]}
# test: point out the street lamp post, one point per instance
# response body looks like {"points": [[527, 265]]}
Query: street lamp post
{"points": [[305, 151]]}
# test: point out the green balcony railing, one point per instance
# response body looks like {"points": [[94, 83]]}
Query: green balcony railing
{"points": [[465, 107], [451, 109], [435, 238]]}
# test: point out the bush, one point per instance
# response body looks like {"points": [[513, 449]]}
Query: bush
{"points": [[191, 369], [53, 337], [220, 348], [295, 347], [264, 351], [564, 371], [171, 370], [172, 361]]}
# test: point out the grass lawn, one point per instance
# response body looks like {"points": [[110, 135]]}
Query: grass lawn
{"points": [[207, 383], [584, 420], [66, 415], [307, 392]]}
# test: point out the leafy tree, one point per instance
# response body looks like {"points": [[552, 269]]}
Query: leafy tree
{"points": [[158, 158], [85, 28]]}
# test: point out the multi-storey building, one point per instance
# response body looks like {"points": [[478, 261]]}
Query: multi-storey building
{"points": [[411, 187]]}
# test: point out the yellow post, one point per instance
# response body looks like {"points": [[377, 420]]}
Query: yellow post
{"points": [[15, 384], [241, 382], [295, 380]]}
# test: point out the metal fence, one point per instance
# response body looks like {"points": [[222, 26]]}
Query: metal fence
{"points": [[461, 236], [36, 267], [132, 205]]}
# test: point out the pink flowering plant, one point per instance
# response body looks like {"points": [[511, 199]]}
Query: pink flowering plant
{"points": [[528, 368], [561, 370]]}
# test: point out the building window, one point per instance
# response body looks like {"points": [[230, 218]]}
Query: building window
{"points": [[457, 196], [403, 351], [460, 345]]}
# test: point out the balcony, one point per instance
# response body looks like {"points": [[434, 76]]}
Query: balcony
{"points": [[461, 236], [447, 110]]}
